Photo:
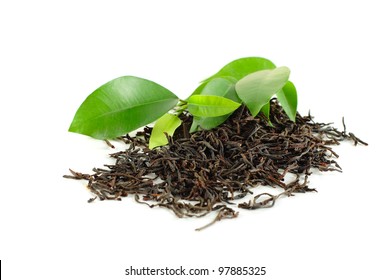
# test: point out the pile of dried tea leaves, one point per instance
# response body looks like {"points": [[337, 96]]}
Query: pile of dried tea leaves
{"points": [[209, 170]]}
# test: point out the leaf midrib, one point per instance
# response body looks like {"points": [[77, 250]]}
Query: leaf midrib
{"points": [[128, 108], [214, 106]]}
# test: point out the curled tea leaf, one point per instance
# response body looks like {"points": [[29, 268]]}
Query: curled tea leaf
{"points": [[288, 99], [166, 124]]}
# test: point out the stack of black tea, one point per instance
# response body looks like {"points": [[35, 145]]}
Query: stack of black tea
{"points": [[209, 170]]}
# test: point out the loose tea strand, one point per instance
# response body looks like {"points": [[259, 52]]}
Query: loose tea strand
{"points": [[210, 170]]}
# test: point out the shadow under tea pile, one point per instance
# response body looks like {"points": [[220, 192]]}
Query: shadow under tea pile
{"points": [[207, 171]]}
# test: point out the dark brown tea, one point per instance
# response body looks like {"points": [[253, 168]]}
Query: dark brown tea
{"points": [[210, 170]]}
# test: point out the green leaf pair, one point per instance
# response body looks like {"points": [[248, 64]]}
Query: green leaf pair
{"points": [[258, 80], [128, 103], [223, 87], [198, 106]]}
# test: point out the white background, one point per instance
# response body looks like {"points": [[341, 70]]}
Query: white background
{"points": [[54, 53]]}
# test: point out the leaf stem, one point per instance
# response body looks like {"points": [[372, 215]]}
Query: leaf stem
{"points": [[180, 107]]}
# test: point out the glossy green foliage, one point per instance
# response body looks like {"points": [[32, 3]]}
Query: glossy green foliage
{"points": [[166, 124], [120, 106], [288, 99], [242, 67], [256, 89], [128, 103], [210, 105], [224, 87]]}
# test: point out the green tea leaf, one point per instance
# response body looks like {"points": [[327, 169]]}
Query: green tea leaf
{"points": [[256, 89], [199, 89], [288, 99], [195, 124], [266, 110], [242, 67], [207, 123], [224, 87], [210, 106], [215, 86], [120, 106], [167, 123], [218, 86]]}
